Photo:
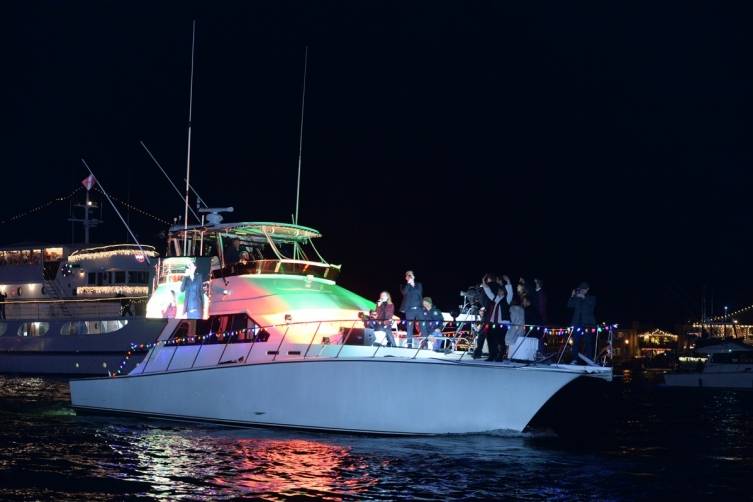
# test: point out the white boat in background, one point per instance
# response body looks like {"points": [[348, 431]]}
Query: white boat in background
{"points": [[280, 344], [728, 365], [74, 309]]}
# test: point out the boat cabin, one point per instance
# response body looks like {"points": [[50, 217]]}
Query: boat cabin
{"points": [[52, 280]]}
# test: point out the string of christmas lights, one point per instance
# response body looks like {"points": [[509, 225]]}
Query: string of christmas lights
{"points": [[134, 300], [41, 206], [723, 317], [145, 347], [134, 208]]}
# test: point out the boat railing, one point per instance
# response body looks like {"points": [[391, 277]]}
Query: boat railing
{"points": [[337, 339], [71, 308]]}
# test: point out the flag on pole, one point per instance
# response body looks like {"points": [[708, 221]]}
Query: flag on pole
{"points": [[89, 182]]}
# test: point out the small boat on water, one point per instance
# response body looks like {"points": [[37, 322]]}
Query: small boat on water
{"points": [[728, 365], [270, 339]]}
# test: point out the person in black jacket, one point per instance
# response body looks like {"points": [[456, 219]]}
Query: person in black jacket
{"points": [[432, 323], [583, 322], [488, 281], [500, 317], [413, 293], [193, 287]]}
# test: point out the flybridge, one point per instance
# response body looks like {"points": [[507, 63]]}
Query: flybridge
{"points": [[284, 233], [253, 248]]}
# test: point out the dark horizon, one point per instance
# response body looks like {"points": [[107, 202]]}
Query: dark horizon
{"points": [[606, 143]]}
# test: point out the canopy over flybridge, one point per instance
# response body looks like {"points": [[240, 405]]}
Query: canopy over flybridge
{"points": [[278, 232]]}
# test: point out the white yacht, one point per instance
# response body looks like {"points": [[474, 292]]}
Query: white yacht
{"points": [[727, 365], [74, 309], [279, 344]]}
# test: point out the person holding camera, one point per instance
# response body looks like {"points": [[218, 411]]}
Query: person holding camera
{"points": [[583, 322], [488, 281], [413, 293]]}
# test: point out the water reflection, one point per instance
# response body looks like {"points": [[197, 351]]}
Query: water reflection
{"points": [[216, 464], [650, 441]]}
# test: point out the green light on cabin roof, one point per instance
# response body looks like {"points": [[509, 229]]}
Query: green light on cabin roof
{"points": [[295, 292]]}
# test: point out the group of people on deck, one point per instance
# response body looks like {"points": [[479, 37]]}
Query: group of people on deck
{"points": [[418, 310], [507, 313]]}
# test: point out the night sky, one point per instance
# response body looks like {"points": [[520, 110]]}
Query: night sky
{"points": [[599, 142]]}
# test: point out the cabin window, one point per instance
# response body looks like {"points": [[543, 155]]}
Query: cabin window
{"points": [[3, 328], [138, 277], [91, 327], [53, 254], [33, 329], [103, 327], [231, 328], [120, 277], [92, 278], [73, 328]]}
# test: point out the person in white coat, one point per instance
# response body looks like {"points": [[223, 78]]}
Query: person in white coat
{"points": [[517, 319]]}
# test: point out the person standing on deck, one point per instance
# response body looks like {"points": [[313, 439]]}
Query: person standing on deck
{"points": [[193, 287], [3, 298], [384, 312], [499, 316], [492, 282], [517, 316], [538, 314], [413, 293], [583, 322]]}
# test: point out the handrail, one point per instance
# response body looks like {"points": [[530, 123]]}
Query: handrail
{"points": [[319, 325], [346, 339], [232, 336], [277, 352]]}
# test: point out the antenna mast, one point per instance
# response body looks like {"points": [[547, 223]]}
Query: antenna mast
{"points": [[188, 155], [300, 134], [114, 208]]}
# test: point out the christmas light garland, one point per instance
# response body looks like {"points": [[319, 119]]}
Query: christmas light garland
{"points": [[730, 314], [111, 251], [41, 206], [134, 208], [546, 330]]}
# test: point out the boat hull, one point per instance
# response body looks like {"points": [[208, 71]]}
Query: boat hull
{"points": [[85, 354], [717, 380], [370, 395]]}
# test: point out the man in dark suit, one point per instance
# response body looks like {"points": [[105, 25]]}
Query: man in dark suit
{"points": [[583, 322], [193, 287], [413, 293], [490, 281]]}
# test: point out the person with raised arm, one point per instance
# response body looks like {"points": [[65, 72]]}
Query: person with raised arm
{"points": [[486, 301], [499, 315], [413, 293], [583, 322]]}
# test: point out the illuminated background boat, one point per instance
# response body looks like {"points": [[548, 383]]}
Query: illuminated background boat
{"points": [[64, 304], [277, 346]]}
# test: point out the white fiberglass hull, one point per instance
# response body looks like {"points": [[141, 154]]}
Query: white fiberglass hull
{"points": [[716, 380], [390, 395]]}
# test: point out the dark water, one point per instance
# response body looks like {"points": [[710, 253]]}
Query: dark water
{"points": [[643, 442]]}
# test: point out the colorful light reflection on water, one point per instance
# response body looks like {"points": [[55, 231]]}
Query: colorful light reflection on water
{"points": [[649, 446]]}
